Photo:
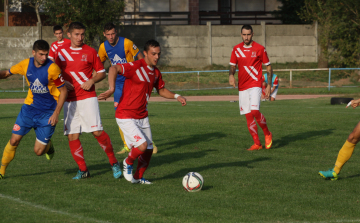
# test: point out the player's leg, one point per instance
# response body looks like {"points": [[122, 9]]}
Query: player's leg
{"points": [[136, 141], [117, 95], [72, 129], [9, 153], [244, 105], [273, 95], [44, 132], [255, 94]]}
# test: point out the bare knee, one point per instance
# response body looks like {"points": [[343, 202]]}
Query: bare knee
{"points": [[272, 99], [97, 133], [14, 142], [143, 147], [353, 138]]}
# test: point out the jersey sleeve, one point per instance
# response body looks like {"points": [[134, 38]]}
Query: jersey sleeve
{"points": [[131, 48], [52, 52], [55, 75], [265, 58], [233, 58], [102, 53], [97, 64], [128, 69], [20, 68], [159, 83], [276, 81]]}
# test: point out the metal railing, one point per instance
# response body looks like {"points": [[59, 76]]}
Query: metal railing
{"points": [[155, 17]]}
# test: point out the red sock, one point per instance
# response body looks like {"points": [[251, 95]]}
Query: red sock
{"points": [[105, 143], [251, 124], [133, 154], [78, 154], [143, 163], [261, 121]]}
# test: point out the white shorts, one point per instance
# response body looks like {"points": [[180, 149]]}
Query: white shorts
{"points": [[249, 99], [136, 132], [273, 95], [82, 116]]}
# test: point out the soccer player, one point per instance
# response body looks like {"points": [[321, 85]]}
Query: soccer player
{"points": [[118, 50], [249, 57], [131, 114], [58, 33], [275, 85], [346, 151], [42, 105], [81, 110]]}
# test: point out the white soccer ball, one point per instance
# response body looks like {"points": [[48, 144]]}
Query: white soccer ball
{"points": [[193, 182]]}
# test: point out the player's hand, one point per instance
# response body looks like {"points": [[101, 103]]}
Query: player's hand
{"points": [[87, 85], [69, 86], [353, 103], [54, 119], [105, 95], [267, 92], [182, 100], [232, 80]]}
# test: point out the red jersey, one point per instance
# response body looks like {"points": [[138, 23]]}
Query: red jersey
{"points": [[249, 60], [54, 47], [77, 65], [139, 82]]}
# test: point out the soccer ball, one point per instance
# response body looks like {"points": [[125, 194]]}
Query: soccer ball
{"points": [[193, 182]]}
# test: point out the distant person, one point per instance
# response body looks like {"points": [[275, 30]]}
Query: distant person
{"points": [[249, 57], [60, 40], [81, 110], [274, 85], [346, 151], [46, 97], [118, 50]]}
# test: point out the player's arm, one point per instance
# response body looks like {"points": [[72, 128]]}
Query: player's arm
{"points": [[5, 74], [99, 76], [139, 56], [168, 94], [269, 80], [54, 119], [113, 72], [232, 71]]}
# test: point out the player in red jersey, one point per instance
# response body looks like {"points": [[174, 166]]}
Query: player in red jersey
{"points": [[249, 57], [131, 114], [81, 109], [58, 33]]}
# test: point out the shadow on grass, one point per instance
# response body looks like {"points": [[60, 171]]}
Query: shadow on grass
{"points": [[193, 139], [98, 169], [285, 140]]}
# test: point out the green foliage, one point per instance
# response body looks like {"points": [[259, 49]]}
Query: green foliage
{"points": [[289, 12], [94, 14], [339, 26]]}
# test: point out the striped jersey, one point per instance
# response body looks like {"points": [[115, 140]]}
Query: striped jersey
{"points": [[77, 65], [249, 60], [274, 81], [54, 46], [44, 82], [139, 82]]}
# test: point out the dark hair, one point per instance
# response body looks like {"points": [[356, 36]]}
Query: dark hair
{"points": [[57, 27], [151, 43], [41, 45], [76, 25], [247, 27], [109, 26]]}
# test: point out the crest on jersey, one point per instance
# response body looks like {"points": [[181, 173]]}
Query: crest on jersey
{"points": [[253, 54], [134, 47], [117, 60], [84, 57], [38, 88], [16, 127]]}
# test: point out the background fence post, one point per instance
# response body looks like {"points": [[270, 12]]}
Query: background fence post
{"points": [[290, 78], [198, 80]]}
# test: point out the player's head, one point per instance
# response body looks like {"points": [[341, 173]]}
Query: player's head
{"points": [[152, 52], [40, 52], [76, 33], [110, 32], [247, 34], [58, 32]]}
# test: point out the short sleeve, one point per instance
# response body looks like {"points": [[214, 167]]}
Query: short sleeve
{"points": [[102, 53], [265, 58], [55, 75], [128, 69], [159, 83], [97, 64], [131, 48], [52, 51], [233, 58], [276, 81], [20, 68]]}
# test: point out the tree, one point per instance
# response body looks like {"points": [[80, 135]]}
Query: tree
{"points": [[289, 12], [339, 28], [36, 4], [94, 14]]}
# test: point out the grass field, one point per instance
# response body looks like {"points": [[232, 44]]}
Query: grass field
{"points": [[277, 185]]}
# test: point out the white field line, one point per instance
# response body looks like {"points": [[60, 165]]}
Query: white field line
{"points": [[51, 210]]}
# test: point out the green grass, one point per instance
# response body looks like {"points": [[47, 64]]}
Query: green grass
{"points": [[277, 185]]}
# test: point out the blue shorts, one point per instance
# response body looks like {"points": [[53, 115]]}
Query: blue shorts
{"points": [[30, 117], [118, 92]]}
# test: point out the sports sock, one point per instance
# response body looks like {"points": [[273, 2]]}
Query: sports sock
{"points": [[122, 137], [49, 148], [133, 154], [78, 154], [143, 163], [105, 143], [260, 119], [8, 155], [251, 124], [344, 155]]}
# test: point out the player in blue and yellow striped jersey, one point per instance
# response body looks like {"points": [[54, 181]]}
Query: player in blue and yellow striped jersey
{"points": [[118, 50], [42, 106]]}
